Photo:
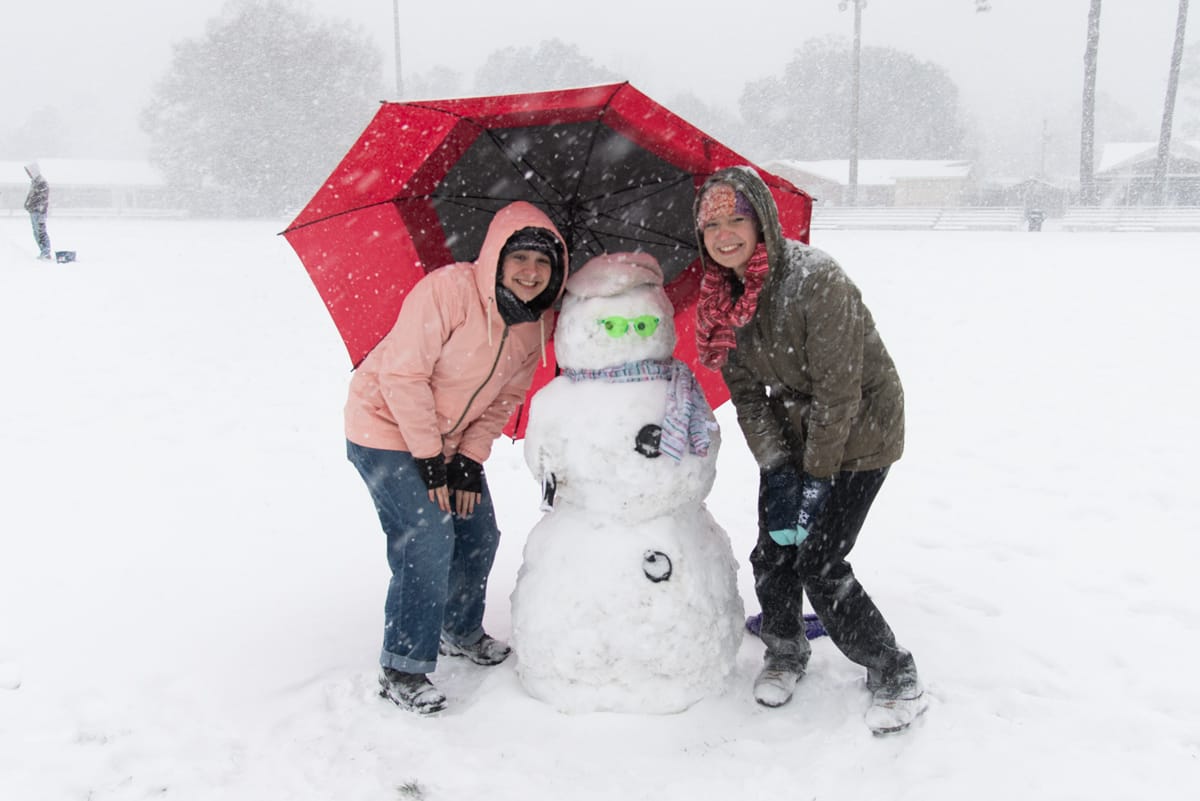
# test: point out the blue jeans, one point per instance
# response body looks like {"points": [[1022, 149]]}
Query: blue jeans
{"points": [[38, 220], [440, 562]]}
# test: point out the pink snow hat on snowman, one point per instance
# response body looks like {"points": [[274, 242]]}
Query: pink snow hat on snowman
{"points": [[611, 274]]}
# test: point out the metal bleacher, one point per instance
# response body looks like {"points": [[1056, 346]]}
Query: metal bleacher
{"points": [[918, 218], [873, 217], [1132, 218], [1005, 218]]}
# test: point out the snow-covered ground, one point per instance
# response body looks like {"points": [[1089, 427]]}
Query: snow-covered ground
{"points": [[192, 576]]}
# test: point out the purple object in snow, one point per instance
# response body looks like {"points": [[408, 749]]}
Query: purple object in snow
{"points": [[813, 627]]}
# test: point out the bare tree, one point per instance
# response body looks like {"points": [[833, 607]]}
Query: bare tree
{"points": [[552, 64], [249, 118], [1164, 136], [1087, 136], [910, 109]]}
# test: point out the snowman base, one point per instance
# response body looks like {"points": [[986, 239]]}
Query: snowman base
{"points": [[643, 617]]}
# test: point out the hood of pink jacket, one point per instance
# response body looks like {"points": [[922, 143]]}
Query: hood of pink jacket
{"points": [[448, 375], [508, 221]]}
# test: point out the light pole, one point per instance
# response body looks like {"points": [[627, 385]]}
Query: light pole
{"points": [[1163, 160], [396, 29], [855, 67]]}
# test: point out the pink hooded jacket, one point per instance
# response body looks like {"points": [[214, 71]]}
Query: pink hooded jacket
{"points": [[449, 374]]}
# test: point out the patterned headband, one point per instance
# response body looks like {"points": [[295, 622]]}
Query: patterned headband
{"points": [[723, 200]]}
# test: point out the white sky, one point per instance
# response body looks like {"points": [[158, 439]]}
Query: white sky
{"points": [[1022, 59]]}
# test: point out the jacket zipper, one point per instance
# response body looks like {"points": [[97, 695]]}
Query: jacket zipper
{"points": [[478, 389]]}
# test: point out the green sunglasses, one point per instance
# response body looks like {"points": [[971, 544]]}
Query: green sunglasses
{"points": [[643, 326]]}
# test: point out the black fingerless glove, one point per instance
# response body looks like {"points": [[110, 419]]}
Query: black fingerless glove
{"points": [[465, 474], [432, 470]]}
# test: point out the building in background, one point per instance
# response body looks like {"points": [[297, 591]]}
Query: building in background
{"points": [[883, 182], [1125, 174], [1029, 193]]}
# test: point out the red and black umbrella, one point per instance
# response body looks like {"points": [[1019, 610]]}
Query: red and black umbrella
{"points": [[614, 170]]}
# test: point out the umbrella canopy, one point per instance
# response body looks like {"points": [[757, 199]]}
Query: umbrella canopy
{"points": [[613, 169]]}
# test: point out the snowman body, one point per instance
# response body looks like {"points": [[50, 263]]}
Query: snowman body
{"points": [[627, 596]]}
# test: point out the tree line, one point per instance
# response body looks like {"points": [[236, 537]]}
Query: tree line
{"points": [[249, 118]]}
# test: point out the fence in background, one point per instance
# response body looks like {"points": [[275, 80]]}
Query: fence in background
{"points": [[1132, 218], [1125, 218], [917, 218]]}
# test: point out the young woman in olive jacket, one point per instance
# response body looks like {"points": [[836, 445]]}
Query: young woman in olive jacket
{"points": [[822, 410]]}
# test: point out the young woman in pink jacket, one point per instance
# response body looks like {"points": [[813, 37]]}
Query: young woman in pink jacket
{"points": [[424, 409]]}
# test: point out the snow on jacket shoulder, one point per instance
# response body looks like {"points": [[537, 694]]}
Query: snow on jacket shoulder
{"points": [[810, 377], [449, 374]]}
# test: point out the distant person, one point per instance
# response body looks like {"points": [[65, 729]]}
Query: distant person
{"points": [[37, 203], [424, 408], [822, 409]]}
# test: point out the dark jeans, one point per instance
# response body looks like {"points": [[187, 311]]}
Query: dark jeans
{"points": [[818, 568], [440, 562]]}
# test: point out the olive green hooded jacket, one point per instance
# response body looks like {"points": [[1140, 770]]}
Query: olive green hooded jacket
{"points": [[810, 377]]}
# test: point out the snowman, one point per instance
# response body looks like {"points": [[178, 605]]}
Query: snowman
{"points": [[627, 597]]}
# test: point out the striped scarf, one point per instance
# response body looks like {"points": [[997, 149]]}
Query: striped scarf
{"points": [[688, 419], [718, 314]]}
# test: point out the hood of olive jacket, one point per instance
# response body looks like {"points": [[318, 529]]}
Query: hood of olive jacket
{"points": [[449, 374], [810, 377]]}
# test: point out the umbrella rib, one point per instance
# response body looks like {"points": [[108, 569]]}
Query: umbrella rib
{"points": [[662, 188], [342, 213], [519, 164]]}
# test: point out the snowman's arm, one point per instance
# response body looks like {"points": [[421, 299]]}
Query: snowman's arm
{"points": [[539, 438], [539, 462], [542, 467]]}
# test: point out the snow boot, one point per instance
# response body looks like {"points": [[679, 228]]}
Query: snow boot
{"points": [[411, 691], [486, 650], [894, 709], [775, 683]]}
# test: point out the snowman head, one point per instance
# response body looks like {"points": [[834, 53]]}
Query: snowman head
{"points": [[615, 311]]}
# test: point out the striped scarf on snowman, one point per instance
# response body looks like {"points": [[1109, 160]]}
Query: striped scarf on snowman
{"points": [[688, 419]]}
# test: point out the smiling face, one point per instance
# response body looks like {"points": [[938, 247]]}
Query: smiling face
{"points": [[728, 227], [730, 240], [525, 273]]}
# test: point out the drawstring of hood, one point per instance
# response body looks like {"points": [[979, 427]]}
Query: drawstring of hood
{"points": [[542, 338], [489, 322]]}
